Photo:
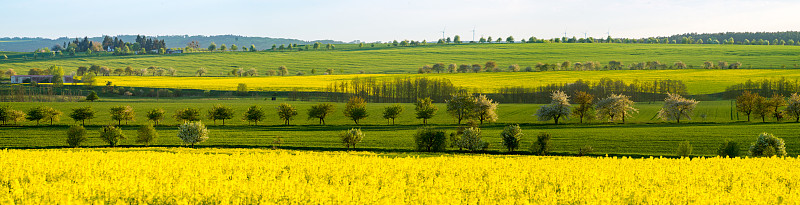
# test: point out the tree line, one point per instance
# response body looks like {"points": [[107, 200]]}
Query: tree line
{"points": [[765, 87], [492, 66], [398, 90], [638, 91]]}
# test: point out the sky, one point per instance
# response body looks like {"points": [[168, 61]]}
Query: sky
{"points": [[376, 20]]}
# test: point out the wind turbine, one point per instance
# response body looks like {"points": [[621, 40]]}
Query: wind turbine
{"points": [[473, 33], [445, 28]]}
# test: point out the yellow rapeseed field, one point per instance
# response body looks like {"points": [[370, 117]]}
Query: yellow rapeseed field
{"points": [[254, 176]]}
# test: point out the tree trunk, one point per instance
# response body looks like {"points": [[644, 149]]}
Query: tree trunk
{"points": [[556, 119]]}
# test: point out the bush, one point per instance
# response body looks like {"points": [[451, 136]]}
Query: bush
{"points": [[768, 145], [471, 140], [111, 135], [684, 149], [728, 149], [585, 150], [146, 135], [512, 134], [351, 137], [193, 132], [542, 144], [430, 140], [76, 135]]}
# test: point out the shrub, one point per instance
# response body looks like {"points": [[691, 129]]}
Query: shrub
{"points": [[512, 134], [684, 149], [146, 135], [585, 150], [111, 135], [351, 137], [430, 140], [76, 135], [542, 144], [728, 149], [471, 140], [768, 145], [193, 132]]}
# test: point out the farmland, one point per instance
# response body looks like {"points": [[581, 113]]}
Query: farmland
{"points": [[349, 59], [698, 81], [250, 176]]}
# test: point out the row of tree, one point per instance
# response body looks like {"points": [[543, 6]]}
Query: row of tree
{"points": [[491, 66], [751, 103], [637, 90], [746, 38], [765, 87]]}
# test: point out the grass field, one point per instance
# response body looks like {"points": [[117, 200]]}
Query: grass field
{"points": [[698, 81], [642, 136], [255, 176], [349, 60]]}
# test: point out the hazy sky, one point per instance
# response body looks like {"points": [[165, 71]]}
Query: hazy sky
{"points": [[373, 20]]}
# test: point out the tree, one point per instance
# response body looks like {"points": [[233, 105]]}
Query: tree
{"points": [[430, 140], [219, 112], [559, 107], [286, 112], [351, 137], [746, 103], [320, 111], [510, 39], [282, 71], [10, 72], [76, 135], [193, 132], [155, 115], [728, 148], [356, 109], [187, 114], [439, 67], [676, 107], [793, 107], [616, 106], [254, 114], [212, 47], [58, 76], [392, 112], [253, 48], [36, 114], [425, 109], [201, 72], [89, 80], [512, 134], [762, 107], [92, 97], [461, 106], [513, 68], [585, 106], [82, 114], [5, 113], [241, 89], [767, 145], [16, 116], [52, 114], [456, 39], [542, 145], [485, 109], [684, 149], [776, 102], [223, 47], [234, 47], [111, 135], [120, 113], [146, 134], [490, 65], [471, 140]]}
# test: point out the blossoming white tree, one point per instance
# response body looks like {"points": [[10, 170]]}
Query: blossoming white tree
{"points": [[676, 107], [793, 107], [558, 108], [616, 106], [486, 109], [193, 132]]}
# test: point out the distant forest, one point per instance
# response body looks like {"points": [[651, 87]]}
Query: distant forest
{"points": [[20, 44]]}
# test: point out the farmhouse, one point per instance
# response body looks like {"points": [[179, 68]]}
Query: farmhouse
{"points": [[38, 78]]}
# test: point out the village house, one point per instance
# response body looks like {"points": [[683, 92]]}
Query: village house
{"points": [[38, 78]]}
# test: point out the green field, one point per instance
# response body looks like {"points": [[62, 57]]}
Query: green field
{"points": [[349, 59], [641, 136], [698, 81]]}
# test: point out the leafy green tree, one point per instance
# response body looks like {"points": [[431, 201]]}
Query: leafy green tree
{"points": [[767, 145], [146, 134], [111, 135], [793, 107], [58, 76], [155, 115], [356, 109], [462, 106], [282, 70], [120, 113], [486, 109], [585, 106], [286, 112], [392, 112], [430, 140], [254, 114], [512, 135], [82, 114], [201, 72], [510, 39], [425, 109], [542, 145], [219, 112], [193, 132], [471, 140], [188, 114], [52, 114], [212, 47], [320, 111], [223, 47], [746, 103], [36, 114], [76, 135], [241, 89], [457, 39], [728, 148], [234, 47], [5, 113], [253, 48], [89, 80]]}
